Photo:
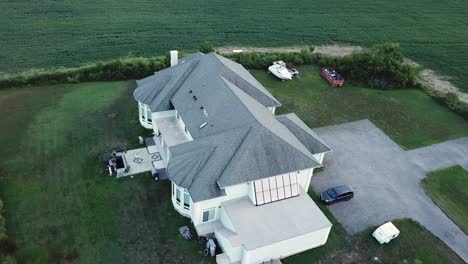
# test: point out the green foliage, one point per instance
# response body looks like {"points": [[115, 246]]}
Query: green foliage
{"points": [[7, 246], [400, 113], [380, 67], [118, 69], [7, 260], [449, 99], [61, 207], [448, 188], [73, 33], [206, 47], [3, 234]]}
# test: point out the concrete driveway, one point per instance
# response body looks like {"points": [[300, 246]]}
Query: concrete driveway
{"points": [[386, 180]]}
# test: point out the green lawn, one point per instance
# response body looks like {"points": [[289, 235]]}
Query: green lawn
{"points": [[448, 188], [56, 202], [49, 33], [409, 117], [414, 245]]}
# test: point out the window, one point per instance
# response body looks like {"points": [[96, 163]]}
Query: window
{"points": [[148, 115], [142, 111], [186, 200], [276, 188], [208, 215], [178, 195]]}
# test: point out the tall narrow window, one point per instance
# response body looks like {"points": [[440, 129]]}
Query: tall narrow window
{"points": [[178, 195], [142, 112], [208, 215], [148, 114], [186, 200]]}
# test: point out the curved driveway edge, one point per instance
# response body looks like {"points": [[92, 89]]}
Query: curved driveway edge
{"points": [[386, 180]]}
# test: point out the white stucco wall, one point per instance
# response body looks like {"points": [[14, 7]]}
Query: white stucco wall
{"points": [[287, 247], [232, 192], [234, 253]]}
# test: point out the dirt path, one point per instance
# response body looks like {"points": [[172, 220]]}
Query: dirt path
{"points": [[331, 50], [441, 84]]}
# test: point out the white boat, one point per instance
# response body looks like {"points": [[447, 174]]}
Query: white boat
{"points": [[280, 70]]}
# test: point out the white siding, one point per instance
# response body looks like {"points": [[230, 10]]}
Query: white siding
{"points": [[232, 192], [234, 253], [163, 114], [287, 247]]}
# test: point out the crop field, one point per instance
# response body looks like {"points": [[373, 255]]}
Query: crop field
{"points": [[49, 33]]}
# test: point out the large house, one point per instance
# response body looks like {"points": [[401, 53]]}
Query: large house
{"points": [[237, 169]]}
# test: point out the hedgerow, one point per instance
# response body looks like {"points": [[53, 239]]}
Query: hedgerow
{"points": [[379, 67], [118, 69]]}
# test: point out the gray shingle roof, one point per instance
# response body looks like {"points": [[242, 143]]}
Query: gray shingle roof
{"points": [[303, 133], [242, 141]]}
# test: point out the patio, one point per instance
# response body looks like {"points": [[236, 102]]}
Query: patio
{"points": [[140, 160]]}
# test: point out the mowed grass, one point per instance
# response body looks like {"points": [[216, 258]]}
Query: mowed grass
{"points": [[414, 244], [49, 33], [409, 117], [56, 201], [448, 188]]}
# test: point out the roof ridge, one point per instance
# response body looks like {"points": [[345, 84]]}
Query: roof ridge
{"points": [[180, 81], [269, 96], [306, 129], [234, 153], [274, 117]]}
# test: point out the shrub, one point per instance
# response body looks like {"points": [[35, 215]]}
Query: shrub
{"points": [[380, 67], [206, 47], [118, 69]]}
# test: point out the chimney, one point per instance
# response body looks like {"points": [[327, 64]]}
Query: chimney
{"points": [[174, 57]]}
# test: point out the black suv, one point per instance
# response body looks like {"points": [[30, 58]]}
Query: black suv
{"points": [[336, 194]]}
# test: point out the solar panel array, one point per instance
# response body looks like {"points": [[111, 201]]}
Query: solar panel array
{"points": [[276, 188]]}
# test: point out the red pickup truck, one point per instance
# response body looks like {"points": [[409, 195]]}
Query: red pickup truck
{"points": [[332, 76]]}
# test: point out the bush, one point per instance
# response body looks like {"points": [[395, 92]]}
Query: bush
{"points": [[380, 67], [206, 47], [118, 69]]}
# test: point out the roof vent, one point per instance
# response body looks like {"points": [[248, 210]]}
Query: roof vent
{"points": [[201, 107], [203, 125], [195, 98], [190, 91], [203, 84]]}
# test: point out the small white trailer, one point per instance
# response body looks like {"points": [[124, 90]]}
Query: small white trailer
{"points": [[386, 232]]}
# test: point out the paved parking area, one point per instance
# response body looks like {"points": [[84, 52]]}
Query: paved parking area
{"points": [[386, 180]]}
